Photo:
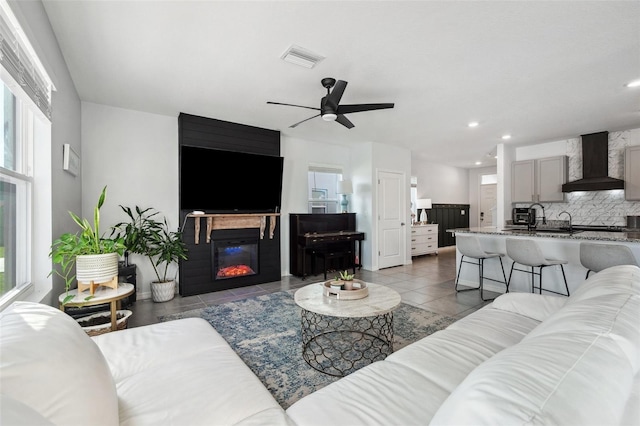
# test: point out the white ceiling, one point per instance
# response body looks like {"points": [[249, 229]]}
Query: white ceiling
{"points": [[540, 71]]}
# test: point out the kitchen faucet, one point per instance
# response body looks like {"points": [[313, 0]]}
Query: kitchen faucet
{"points": [[568, 214], [531, 226]]}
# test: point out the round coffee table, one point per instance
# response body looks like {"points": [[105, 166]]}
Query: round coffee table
{"points": [[341, 336]]}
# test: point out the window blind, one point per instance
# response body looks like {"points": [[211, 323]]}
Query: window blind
{"points": [[18, 58]]}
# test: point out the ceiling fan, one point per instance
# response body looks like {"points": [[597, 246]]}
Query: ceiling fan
{"points": [[330, 108]]}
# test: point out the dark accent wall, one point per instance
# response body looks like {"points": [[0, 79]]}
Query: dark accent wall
{"points": [[195, 273], [449, 216]]}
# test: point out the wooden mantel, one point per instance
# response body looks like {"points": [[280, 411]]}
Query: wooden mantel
{"points": [[234, 221]]}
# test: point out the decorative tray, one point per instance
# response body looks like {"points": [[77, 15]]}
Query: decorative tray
{"points": [[359, 290]]}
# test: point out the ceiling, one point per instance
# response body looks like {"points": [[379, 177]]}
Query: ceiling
{"points": [[539, 71]]}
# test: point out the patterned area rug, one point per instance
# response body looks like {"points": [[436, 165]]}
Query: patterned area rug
{"points": [[265, 332]]}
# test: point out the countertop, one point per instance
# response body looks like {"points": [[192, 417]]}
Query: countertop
{"points": [[628, 237]]}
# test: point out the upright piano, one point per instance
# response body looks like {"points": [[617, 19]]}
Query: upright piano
{"points": [[313, 233]]}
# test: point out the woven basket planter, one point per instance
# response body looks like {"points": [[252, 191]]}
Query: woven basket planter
{"points": [[100, 323], [162, 292], [97, 268]]}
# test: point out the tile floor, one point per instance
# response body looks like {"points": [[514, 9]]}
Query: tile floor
{"points": [[427, 283]]}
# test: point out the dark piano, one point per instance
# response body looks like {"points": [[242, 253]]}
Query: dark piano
{"points": [[315, 235]]}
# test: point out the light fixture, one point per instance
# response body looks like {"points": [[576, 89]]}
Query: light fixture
{"points": [[300, 56], [329, 116], [506, 137], [424, 204], [635, 83], [345, 187], [473, 124], [478, 163]]}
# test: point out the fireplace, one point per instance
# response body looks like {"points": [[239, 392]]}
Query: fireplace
{"points": [[234, 254]]}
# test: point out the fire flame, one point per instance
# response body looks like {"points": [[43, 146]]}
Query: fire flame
{"points": [[234, 271]]}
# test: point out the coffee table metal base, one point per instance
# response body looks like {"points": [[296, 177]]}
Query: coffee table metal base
{"points": [[339, 345]]}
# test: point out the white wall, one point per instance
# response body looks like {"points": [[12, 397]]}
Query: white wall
{"points": [[135, 154], [443, 184]]}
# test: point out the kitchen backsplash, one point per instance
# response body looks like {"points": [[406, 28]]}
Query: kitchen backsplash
{"points": [[595, 207]]}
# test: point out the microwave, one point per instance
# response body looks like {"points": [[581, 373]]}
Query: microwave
{"points": [[523, 216]]}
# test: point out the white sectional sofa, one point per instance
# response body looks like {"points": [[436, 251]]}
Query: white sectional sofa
{"points": [[524, 359]]}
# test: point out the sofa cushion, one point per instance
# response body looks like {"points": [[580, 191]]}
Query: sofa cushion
{"points": [[577, 367], [183, 372], [48, 363], [531, 305]]}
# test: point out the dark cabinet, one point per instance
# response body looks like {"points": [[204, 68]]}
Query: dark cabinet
{"points": [[127, 274], [449, 216]]}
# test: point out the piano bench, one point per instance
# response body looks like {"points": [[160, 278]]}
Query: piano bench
{"points": [[346, 260]]}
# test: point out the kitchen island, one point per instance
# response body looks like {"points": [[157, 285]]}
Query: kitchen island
{"points": [[554, 243]]}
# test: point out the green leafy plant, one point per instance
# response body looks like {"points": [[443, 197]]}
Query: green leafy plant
{"points": [[345, 276], [145, 235], [88, 240]]}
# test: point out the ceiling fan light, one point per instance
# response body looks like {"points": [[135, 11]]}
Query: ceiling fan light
{"points": [[329, 117]]}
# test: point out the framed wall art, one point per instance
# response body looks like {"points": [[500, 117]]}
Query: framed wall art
{"points": [[70, 160]]}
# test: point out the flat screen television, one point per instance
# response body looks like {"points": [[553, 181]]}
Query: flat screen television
{"points": [[217, 181]]}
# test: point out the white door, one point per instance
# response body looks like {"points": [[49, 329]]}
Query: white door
{"points": [[391, 219], [488, 202]]}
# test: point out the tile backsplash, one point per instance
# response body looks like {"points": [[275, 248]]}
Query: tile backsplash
{"points": [[595, 207]]}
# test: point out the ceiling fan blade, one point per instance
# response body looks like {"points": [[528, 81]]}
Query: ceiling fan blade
{"points": [[333, 98], [299, 106], [347, 109], [344, 121], [306, 119]]}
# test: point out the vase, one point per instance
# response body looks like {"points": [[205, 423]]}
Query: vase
{"points": [[348, 285], [163, 291]]}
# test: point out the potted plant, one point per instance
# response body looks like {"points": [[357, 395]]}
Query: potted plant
{"points": [[145, 235], [94, 257], [345, 279]]}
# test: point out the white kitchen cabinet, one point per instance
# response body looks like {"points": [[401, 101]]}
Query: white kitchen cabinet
{"points": [[539, 180], [424, 239], [632, 173]]}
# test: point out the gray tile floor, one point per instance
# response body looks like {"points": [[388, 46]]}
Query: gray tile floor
{"points": [[428, 283]]}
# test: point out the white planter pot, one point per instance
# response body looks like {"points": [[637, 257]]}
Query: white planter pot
{"points": [[97, 268], [162, 292]]}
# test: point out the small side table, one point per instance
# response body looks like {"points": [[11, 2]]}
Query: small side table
{"points": [[113, 296]]}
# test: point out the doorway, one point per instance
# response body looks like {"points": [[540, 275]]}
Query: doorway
{"points": [[487, 214]]}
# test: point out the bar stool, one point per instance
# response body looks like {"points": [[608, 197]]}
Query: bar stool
{"points": [[528, 253], [596, 257], [469, 246]]}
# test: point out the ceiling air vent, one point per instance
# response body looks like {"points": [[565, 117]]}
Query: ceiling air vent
{"points": [[300, 56]]}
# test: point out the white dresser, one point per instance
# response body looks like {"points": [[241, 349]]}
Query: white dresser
{"points": [[424, 239]]}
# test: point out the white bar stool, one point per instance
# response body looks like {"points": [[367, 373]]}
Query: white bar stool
{"points": [[596, 257], [469, 246], [528, 253]]}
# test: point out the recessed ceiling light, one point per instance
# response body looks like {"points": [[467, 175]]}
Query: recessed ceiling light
{"points": [[478, 163], [301, 56], [635, 83], [496, 157], [506, 137], [473, 124]]}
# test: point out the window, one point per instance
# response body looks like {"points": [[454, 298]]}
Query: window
{"points": [[15, 190], [323, 182], [25, 111]]}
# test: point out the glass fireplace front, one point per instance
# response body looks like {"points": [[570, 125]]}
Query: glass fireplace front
{"points": [[234, 256]]}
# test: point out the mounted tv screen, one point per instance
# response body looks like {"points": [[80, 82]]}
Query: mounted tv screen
{"points": [[217, 181]]}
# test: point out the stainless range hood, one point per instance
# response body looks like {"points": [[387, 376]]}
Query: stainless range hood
{"points": [[595, 166]]}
